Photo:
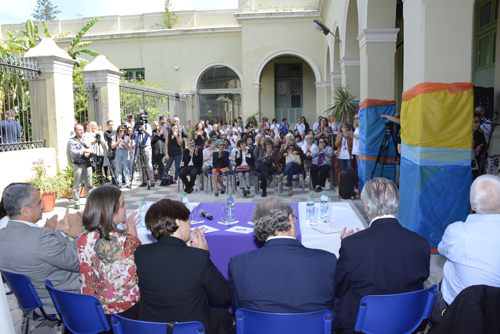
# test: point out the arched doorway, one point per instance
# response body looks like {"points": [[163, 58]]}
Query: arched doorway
{"points": [[219, 94], [349, 61]]}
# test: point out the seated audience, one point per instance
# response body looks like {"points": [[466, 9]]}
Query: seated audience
{"points": [[220, 166], [473, 247], [386, 258], [177, 279], [244, 166], [321, 162], [193, 160], [106, 253], [39, 253], [293, 159], [282, 276], [308, 147], [269, 163]]}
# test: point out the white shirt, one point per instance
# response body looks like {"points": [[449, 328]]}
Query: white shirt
{"points": [[276, 129], [303, 147], [380, 217], [355, 142], [236, 130], [315, 126], [473, 251], [301, 127], [207, 152], [335, 127], [25, 222], [344, 150]]}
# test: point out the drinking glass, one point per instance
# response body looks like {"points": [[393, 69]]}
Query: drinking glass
{"points": [[314, 220], [223, 214], [194, 213]]}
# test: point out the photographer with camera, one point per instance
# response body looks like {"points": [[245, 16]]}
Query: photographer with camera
{"points": [[81, 155], [142, 137]]}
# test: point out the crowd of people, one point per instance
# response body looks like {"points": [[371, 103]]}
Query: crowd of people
{"points": [[174, 279]]}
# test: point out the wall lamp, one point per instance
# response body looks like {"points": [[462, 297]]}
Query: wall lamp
{"points": [[321, 27]]}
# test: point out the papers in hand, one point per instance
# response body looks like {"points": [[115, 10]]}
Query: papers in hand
{"points": [[240, 229], [326, 228], [228, 223], [208, 229]]}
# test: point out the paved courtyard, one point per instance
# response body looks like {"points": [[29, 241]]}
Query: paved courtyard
{"points": [[133, 196]]}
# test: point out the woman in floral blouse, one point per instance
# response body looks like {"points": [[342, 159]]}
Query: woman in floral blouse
{"points": [[106, 254]]}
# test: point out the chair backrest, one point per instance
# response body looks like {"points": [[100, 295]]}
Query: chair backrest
{"points": [[127, 326], [82, 314], [395, 314], [248, 321], [21, 286]]}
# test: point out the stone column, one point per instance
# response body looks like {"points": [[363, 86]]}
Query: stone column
{"points": [[349, 68], [377, 48], [322, 98], [106, 79], [54, 96]]}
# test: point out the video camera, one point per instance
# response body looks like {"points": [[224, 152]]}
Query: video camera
{"points": [[140, 119]]}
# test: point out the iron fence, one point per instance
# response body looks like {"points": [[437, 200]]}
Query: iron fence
{"points": [[86, 96], [20, 114]]}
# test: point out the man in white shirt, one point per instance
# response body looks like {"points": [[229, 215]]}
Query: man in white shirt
{"points": [[38, 252], [316, 124], [473, 247], [208, 154], [486, 128], [232, 137], [301, 127]]}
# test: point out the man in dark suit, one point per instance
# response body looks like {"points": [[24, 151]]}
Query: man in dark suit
{"points": [[158, 144], [386, 258], [283, 275], [38, 252], [193, 161]]}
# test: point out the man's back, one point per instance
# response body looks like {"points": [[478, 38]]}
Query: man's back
{"points": [[384, 259], [472, 249], [40, 254], [11, 131], [283, 276]]}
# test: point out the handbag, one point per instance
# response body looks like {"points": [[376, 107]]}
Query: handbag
{"points": [[266, 161], [243, 169]]}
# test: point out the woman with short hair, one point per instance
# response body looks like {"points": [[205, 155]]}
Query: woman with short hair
{"points": [[177, 279], [220, 163], [292, 158], [244, 166], [269, 163], [321, 162], [106, 253]]}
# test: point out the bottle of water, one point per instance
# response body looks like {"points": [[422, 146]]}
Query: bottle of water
{"points": [[230, 207], [310, 211], [323, 207], [143, 208], [185, 200]]}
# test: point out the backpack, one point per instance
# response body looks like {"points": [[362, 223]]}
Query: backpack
{"points": [[347, 183]]}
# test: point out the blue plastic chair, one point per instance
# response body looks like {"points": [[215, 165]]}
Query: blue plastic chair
{"points": [[257, 180], [127, 326], [249, 322], [27, 298], [81, 313], [395, 314]]}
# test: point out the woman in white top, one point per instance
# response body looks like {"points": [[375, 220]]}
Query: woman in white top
{"points": [[344, 147], [275, 128], [120, 142], [245, 162], [355, 140], [237, 129], [309, 148]]}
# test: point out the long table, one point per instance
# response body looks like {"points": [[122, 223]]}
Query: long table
{"points": [[223, 244]]}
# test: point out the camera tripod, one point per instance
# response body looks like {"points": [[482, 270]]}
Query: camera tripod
{"points": [[139, 159], [384, 148]]}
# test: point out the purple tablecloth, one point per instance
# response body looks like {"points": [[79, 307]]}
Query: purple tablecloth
{"points": [[223, 245]]}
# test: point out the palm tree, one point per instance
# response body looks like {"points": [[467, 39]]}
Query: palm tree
{"points": [[343, 107]]}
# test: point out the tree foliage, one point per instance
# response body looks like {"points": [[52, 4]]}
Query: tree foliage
{"points": [[45, 11], [169, 17], [343, 107]]}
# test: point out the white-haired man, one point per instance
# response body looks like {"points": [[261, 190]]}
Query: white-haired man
{"points": [[386, 258], [473, 247]]}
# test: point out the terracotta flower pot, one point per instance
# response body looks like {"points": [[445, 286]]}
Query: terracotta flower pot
{"points": [[69, 193], [48, 200]]}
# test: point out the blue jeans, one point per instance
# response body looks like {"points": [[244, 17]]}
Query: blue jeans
{"points": [[169, 163], [344, 164], [122, 164], [291, 169]]}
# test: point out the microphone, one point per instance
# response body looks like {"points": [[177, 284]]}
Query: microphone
{"points": [[206, 215]]}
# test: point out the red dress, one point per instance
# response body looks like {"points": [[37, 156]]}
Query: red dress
{"points": [[108, 270]]}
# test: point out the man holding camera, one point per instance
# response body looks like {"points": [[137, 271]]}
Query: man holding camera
{"points": [[142, 137], [81, 155]]}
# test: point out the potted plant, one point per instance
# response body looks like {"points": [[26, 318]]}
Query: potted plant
{"points": [[344, 105], [48, 186], [68, 177]]}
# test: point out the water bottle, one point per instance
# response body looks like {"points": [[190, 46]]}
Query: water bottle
{"points": [[310, 211], [323, 207], [230, 207], [185, 200], [143, 208]]}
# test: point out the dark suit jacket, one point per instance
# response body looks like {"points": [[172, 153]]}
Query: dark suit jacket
{"points": [[283, 276], [386, 258], [197, 159], [177, 282], [158, 142]]}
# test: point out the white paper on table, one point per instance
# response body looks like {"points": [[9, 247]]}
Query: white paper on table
{"points": [[197, 222], [326, 228], [240, 229], [208, 229], [251, 223], [228, 223]]}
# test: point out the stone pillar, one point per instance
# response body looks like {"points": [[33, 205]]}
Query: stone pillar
{"points": [[106, 79], [322, 98], [377, 48], [349, 68], [54, 96]]}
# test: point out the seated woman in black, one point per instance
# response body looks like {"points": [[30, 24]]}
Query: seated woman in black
{"points": [[177, 282], [220, 163]]}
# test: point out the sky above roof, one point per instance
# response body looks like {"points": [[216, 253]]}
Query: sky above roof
{"points": [[20, 10]]}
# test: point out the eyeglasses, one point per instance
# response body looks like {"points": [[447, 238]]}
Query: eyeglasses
{"points": [[356, 118], [291, 145], [294, 216], [321, 141], [121, 130]]}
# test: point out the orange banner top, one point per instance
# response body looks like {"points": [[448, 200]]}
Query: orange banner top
{"points": [[432, 87], [369, 103]]}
